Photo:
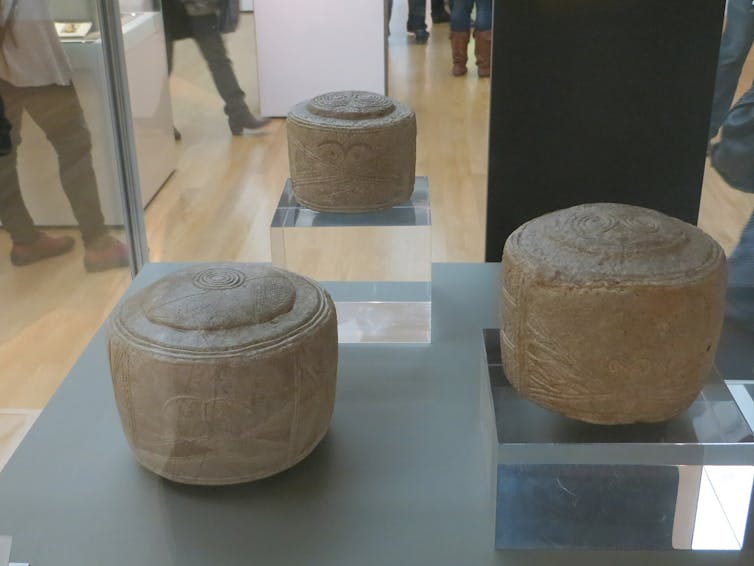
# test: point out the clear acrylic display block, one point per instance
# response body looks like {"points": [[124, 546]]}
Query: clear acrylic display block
{"points": [[685, 484], [377, 266]]}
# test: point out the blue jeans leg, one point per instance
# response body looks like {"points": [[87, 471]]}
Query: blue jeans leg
{"points": [[418, 15], [741, 278], [460, 16], [734, 47], [483, 15]]}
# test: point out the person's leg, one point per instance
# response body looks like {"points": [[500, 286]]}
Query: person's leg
{"points": [[5, 128], [13, 212], [417, 18], [169, 52], [483, 15], [740, 295], [29, 244], [56, 109], [212, 47], [460, 17], [734, 48], [439, 14], [460, 24], [483, 36]]}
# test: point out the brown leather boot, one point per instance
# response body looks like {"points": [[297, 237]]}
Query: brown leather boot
{"points": [[459, 42], [482, 49]]}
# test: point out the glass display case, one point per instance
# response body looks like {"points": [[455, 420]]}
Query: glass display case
{"points": [[77, 25], [385, 257]]}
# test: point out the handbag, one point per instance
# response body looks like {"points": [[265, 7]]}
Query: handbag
{"points": [[733, 156]]}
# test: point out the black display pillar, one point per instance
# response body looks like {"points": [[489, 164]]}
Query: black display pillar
{"points": [[598, 101]]}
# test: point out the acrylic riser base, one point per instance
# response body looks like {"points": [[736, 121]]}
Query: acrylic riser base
{"points": [[560, 483], [385, 256]]}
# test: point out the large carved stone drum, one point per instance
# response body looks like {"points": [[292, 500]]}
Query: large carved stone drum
{"points": [[224, 373], [611, 313], [351, 151]]}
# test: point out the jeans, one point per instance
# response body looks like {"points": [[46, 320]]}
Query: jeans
{"points": [[55, 109], [734, 48], [460, 16], [741, 277], [206, 33], [417, 14]]}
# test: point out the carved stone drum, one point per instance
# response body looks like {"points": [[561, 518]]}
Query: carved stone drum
{"points": [[224, 373], [351, 151], [611, 313]]}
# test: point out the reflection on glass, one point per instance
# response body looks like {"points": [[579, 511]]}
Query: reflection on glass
{"points": [[727, 207], [36, 78], [204, 23], [58, 189], [723, 507]]}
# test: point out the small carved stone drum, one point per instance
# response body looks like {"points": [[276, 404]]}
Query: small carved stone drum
{"points": [[611, 313], [351, 151], [224, 373]]}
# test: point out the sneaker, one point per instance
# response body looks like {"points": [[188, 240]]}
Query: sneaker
{"points": [[106, 252], [241, 125], [43, 247]]}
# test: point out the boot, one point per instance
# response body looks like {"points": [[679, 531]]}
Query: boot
{"points": [[482, 49], [459, 42]]}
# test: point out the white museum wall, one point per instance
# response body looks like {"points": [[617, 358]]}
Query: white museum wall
{"points": [[308, 48]]}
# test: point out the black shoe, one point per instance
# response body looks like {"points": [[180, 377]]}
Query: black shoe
{"points": [[441, 18], [240, 125], [422, 37], [176, 134]]}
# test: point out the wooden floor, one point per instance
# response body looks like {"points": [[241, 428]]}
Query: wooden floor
{"points": [[219, 202]]}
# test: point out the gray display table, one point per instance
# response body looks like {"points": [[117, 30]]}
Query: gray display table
{"points": [[399, 480]]}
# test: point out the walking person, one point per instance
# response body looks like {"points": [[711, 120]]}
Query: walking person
{"points": [[200, 21]]}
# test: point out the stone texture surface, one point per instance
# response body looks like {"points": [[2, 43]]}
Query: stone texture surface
{"points": [[351, 151], [611, 313], [224, 373]]}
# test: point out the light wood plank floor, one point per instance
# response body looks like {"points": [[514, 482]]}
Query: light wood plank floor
{"points": [[218, 206]]}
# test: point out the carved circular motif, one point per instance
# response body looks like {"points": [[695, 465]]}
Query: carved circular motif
{"points": [[220, 308], [615, 242], [219, 278], [594, 229], [351, 105]]}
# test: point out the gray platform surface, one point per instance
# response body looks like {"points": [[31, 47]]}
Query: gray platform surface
{"points": [[400, 479]]}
